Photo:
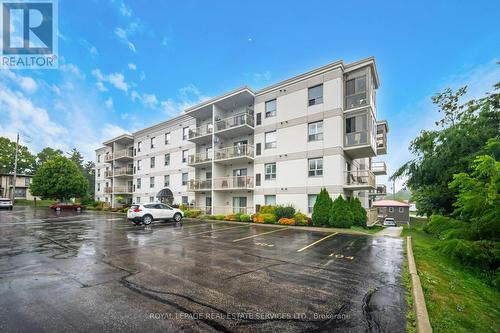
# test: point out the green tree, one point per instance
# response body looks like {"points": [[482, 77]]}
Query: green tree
{"points": [[76, 157], [442, 153], [89, 174], [59, 178], [45, 154], [341, 215], [321, 209], [359, 213], [25, 160]]}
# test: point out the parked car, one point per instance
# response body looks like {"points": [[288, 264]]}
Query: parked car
{"points": [[65, 206], [6, 203], [147, 213], [389, 222]]}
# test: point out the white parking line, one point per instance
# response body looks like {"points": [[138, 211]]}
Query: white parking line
{"points": [[264, 233], [215, 230], [316, 242]]}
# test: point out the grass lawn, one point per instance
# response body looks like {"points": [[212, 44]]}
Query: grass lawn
{"points": [[457, 300], [39, 203], [372, 230]]}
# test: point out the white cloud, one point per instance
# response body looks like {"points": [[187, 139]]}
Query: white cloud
{"points": [[28, 84], [110, 131], [109, 103], [164, 41], [117, 80], [73, 69], [132, 66], [262, 77], [148, 100], [142, 76], [125, 10], [186, 97], [123, 36]]}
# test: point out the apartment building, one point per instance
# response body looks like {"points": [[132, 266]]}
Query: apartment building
{"points": [[23, 183], [246, 148]]}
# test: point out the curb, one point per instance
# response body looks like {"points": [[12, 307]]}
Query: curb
{"points": [[423, 323]]}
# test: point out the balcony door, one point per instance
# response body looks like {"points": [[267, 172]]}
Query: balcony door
{"points": [[240, 147], [239, 204], [239, 177]]}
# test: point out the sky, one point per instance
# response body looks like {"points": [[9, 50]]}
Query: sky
{"points": [[126, 65]]}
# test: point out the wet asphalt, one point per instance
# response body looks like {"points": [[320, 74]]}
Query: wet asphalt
{"points": [[93, 271]]}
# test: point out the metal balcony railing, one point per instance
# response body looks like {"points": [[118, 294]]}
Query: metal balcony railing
{"points": [[200, 131], [108, 190], [360, 178], [200, 157], [123, 153], [123, 189], [199, 184], [235, 182], [124, 171], [234, 152], [108, 157], [108, 173], [236, 120]]}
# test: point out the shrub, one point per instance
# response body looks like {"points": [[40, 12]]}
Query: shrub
{"points": [[187, 213], [286, 221], [207, 217], [231, 217], [257, 218], [285, 211], [183, 207], [125, 209], [321, 209], [301, 219], [219, 217], [238, 216], [440, 225], [483, 254], [340, 214], [268, 218], [267, 210], [358, 212], [195, 213], [245, 218]]}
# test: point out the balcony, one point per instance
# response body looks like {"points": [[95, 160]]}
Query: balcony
{"points": [[359, 180], [379, 168], [382, 129], [203, 159], [234, 154], [202, 134], [225, 210], [237, 125], [380, 190], [123, 190], [359, 129], [124, 172], [234, 183], [108, 173], [199, 185], [108, 158], [125, 154], [108, 190]]}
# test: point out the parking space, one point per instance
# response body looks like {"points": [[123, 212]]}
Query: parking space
{"points": [[97, 271]]}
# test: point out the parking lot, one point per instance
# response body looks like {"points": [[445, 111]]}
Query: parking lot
{"points": [[94, 271]]}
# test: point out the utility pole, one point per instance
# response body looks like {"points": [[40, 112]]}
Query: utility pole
{"points": [[15, 171], [393, 189]]}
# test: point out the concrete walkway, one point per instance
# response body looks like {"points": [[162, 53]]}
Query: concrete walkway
{"points": [[390, 231]]}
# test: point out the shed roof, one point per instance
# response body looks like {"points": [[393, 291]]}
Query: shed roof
{"points": [[389, 203]]}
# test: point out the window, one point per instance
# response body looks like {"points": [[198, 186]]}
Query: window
{"points": [[271, 108], [185, 200], [20, 192], [270, 171], [139, 144], [356, 129], [151, 199], [315, 167], [185, 133], [167, 138], [98, 188], [166, 180], [270, 200], [152, 164], [401, 210], [151, 182], [184, 178], [316, 131], [270, 140], [98, 158], [391, 209], [311, 199], [138, 200], [208, 175], [167, 159], [259, 118], [27, 181], [355, 92], [98, 172], [258, 148], [257, 179], [138, 183], [139, 163], [315, 95], [152, 142], [184, 156]]}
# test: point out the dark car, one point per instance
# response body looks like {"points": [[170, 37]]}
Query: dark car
{"points": [[65, 206]]}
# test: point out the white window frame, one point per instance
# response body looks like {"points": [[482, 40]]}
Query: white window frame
{"points": [[167, 138], [270, 144], [184, 181], [138, 184], [316, 171], [315, 131], [272, 174], [315, 100], [153, 142], [401, 209], [185, 133], [309, 207], [139, 145], [151, 182], [391, 209], [269, 113], [152, 162], [166, 180], [266, 200], [185, 156], [139, 164], [167, 159]]}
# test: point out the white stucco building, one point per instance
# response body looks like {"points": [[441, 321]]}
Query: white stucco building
{"points": [[246, 148]]}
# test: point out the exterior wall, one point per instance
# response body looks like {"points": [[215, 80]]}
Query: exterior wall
{"points": [[401, 217], [291, 154], [22, 186]]}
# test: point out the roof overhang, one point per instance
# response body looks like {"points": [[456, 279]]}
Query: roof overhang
{"points": [[122, 139], [238, 97]]}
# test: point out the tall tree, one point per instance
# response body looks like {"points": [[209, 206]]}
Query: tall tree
{"points": [[442, 153], [89, 173], [59, 178], [47, 153], [25, 160], [76, 157]]}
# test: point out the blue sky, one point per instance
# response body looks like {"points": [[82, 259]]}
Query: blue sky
{"points": [[129, 64]]}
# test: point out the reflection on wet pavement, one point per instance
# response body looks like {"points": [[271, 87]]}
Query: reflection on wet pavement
{"points": [[95, 271]]}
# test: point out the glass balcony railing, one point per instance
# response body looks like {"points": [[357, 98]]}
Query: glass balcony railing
{"points": [[200, 131], [199, 184], [128, 153], [234, 121], [124, 171], [379, 167], [200, 157], [360, 178], [235, 182], [234, 152]]}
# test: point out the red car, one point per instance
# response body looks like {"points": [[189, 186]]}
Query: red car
{"points": [[65, 206]]}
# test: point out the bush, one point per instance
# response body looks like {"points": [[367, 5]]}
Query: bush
{"points": [[358, 212], [125, 209], [195, 213], [231, 217], [207, 217], [183, 207], [219, 217], [245, 218], [187, 213], [321, 209], [440, 226], [268, 218], [284, 211], [483, 254], [267, 210], [340, 214], [238, 216], [257, 218], [301, 219], [286, 221]]}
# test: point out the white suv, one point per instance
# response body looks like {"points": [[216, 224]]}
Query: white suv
{"points": [[6, 203], [147, 213]]}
